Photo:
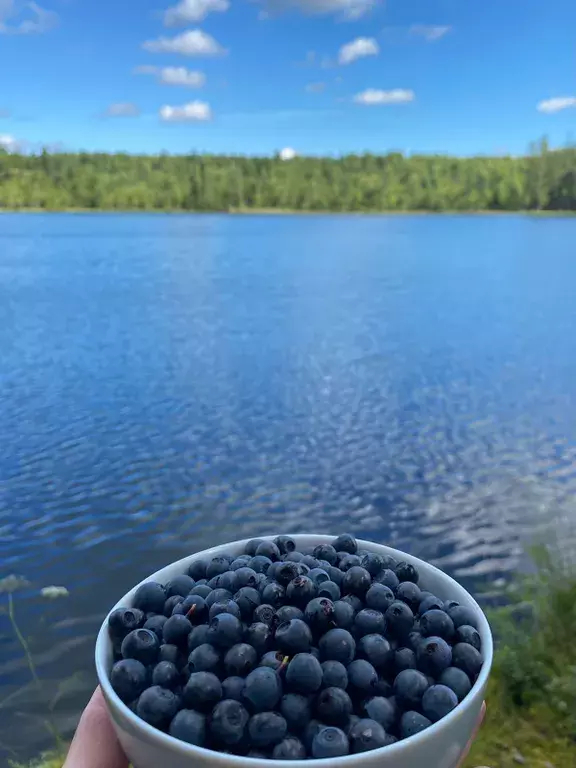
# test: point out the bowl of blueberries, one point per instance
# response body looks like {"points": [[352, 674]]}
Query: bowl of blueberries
{"points": [[295, 648]]}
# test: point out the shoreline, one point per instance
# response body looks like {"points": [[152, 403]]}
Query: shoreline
{"points": [[289, 212]]}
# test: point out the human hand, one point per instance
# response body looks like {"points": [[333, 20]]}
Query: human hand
{"points": [[95, 744]]}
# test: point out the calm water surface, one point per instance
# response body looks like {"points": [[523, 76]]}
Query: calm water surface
{"points": [[172, 382]]}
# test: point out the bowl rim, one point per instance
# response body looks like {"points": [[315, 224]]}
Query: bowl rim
{"points": [[170, 743]]}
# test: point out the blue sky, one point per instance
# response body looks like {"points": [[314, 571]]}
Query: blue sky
{"points": [[253, 76]]}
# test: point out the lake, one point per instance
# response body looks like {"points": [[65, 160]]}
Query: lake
{"points": [[170, 382]]}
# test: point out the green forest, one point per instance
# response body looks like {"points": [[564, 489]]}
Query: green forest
{"points": [[541, 180]]}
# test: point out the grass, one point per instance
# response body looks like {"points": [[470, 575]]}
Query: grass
{"points": [[531, 717]]}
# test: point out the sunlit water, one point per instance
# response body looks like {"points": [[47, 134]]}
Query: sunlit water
{"points": [[172, 382]]}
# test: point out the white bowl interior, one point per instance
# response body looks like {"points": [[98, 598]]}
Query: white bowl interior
{"points": [[431, 579]]}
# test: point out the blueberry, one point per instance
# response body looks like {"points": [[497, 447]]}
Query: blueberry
{"points": [[287, 613], [379, 597], [312, 729], [301, 590], [338, 645], [329, 589], [438, 701], [240, 562], [171, 604], [194, 608], [260, 564], [268, 549], [336, 575], [197, 569], [227, 580], [388, 578], [383, 688], [412, 723], [460, 615], [304, 673], [247, 599], [157, 706], [267, 729], [155, 624], [406, 572], [265, 614], [176, 630], [201, 589], [224, 606], [377, 650], [381, 710], [433, 656], [273, 594], [294, 637], [225, 630], [142, 645], [259, 636], [429, 602], [289, 748], [404, 658], [333, 706], [449, 604], [413, 640], [369, 622], [198, 636], [334, 675], [166, 675], [457, 680], [252, 546], [373, 563], [309, 561], [180, 585], [217, 596], [467, 634], [218, 564], [399, 620], [189, 726], [349, 561], [150, 597], [318, 575], [229, 722], [202, 691], [240, 660], [262, 689], [325, 552], [367, 734], [319, 614], [246, 577], [436, 623], [356, 581], [345, 543], [296, 711], [410, 594], [343, 614], [362, 678], [233, 688], [274, 660], [204, 658], [128, 678], [330, 742], [124, 620], [285, 544], [409, 687], [464, 656], [285, 572], [170, 653], [294, 557]]}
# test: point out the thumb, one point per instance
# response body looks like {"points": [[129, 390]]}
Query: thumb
{"points": [[95, 744]]}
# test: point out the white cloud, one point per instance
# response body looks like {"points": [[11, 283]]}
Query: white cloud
{"points": [[19, 17], [429, 32], [179, 76], [122, 109], [287, 153], [358, 48], [193, 112], [9, 143], [348, 10], [191, 43], [192, 11], [549, 106], [373, 96], [315, 87]]}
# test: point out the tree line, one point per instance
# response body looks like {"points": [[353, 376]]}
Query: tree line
{"points": [[540, 180]]}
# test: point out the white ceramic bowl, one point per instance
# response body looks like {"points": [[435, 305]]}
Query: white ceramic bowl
{"points": [[439, 746]]}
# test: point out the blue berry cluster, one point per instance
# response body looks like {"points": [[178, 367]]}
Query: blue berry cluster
{"points": [[288, 655]]}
